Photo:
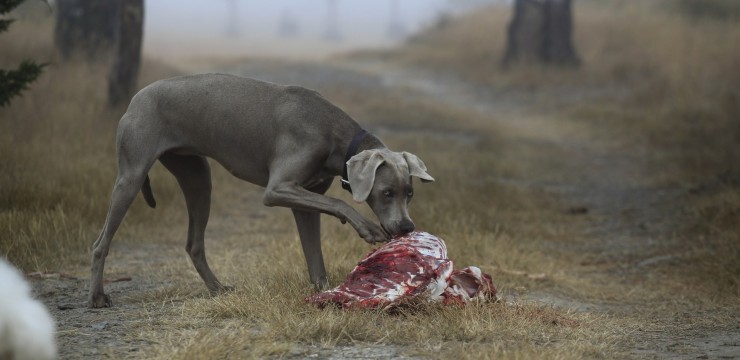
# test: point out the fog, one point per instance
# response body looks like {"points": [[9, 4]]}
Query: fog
{"points": [[296, 29]]}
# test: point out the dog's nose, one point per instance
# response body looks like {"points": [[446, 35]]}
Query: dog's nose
{"points": [[406, 227]]}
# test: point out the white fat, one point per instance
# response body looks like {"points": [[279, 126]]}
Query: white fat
{"points": [[437, 286], [427, 244]]}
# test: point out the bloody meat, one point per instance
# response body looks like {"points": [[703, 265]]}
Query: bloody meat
{"points": [[411, 268]]}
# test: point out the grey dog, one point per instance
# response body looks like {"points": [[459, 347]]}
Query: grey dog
{"points": [[287, 139]]}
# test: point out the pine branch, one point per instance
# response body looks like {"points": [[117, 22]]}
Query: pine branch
{"points": [[4, 24], [12, 82], [7, 5]]}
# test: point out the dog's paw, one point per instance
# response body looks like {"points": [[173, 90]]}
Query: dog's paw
{"points": [[373, 234], [98, 301], [221, 289], [321, 284]]}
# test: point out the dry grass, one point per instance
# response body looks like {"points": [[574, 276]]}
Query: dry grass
{"points": [[57, 166], [56, 151], [680, 73], [670, 80], [266, 315], [57, 156]]}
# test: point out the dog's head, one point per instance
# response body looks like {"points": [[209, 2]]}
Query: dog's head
{"points": [[383, 179]]}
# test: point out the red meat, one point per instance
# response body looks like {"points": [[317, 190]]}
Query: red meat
{"points": [[409, 269]]}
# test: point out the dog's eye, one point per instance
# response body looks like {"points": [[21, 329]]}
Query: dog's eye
{"points": [[410, 193], [388, 193]]}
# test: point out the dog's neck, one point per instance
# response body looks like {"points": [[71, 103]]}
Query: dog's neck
{"points": [[368, 143], [361, 141]]}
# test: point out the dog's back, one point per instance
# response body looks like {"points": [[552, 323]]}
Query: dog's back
{"points": [[237, 121]]}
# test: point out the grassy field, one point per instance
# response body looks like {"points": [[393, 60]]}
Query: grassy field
{"points": [[56, 151], [671, 98], [669, 74], [678, 71]]}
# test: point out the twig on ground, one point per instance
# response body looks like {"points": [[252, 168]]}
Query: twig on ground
{"points": [[533, 276], [50, 275]]}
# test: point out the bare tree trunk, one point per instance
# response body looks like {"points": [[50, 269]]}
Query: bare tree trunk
{"points": [[85, 26], [541, 31], [558, 47], [124, 71], [104, 30]]}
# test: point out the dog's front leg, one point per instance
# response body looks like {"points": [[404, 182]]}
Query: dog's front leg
{"points": [[309, 230], [293, 196]]}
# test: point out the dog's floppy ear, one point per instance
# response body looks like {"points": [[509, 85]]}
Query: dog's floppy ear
{"points": [[417, 167], [361, 173]]}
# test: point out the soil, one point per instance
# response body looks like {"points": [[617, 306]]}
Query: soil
{"points": [[595, 187]]}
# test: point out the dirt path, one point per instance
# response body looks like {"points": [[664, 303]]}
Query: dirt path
{"points": [[135, 270], [613, 188]]}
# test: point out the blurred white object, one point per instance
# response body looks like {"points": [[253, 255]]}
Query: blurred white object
{"points": [[26, 328]]}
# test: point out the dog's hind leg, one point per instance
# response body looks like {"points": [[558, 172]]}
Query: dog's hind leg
{"points": [[128, 184], [194, 176]]}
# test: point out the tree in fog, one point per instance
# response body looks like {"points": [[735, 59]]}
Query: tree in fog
{"points": [[12, 82], [109, 30], [288, 25], [396, 29], [85, 27], [541, 31], [127, 51], [232, 19]]}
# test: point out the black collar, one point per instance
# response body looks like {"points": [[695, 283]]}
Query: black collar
{"points": [[351, 151]]}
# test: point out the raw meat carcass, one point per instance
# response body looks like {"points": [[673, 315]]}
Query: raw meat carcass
{"points": [[409, 269]]}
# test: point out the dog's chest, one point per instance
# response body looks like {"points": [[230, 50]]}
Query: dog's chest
{"points": [[319, 179]]}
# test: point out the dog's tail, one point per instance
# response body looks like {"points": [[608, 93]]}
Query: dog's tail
{"points": [[146, 190]]}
